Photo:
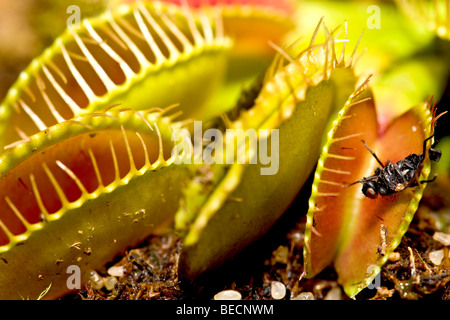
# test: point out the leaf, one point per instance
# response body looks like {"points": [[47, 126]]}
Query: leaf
{"points": [[143, 55], [330, 208], [251, 24], [344, 227], [245, 203], [84, 191]]}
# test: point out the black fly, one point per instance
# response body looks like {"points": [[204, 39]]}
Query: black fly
{"points": [[395, 177]]}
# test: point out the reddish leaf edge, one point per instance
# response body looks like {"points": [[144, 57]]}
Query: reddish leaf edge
{"points": [[427, 114]]}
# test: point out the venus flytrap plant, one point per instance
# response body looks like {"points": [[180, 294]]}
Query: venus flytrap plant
{"points": [[297, 97], [344, 228], [128, 55], [83, 178], [251, 25], [76, 179], [81, 192]]}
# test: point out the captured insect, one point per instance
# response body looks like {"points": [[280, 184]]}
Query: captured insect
{"points": [[395, 177]]}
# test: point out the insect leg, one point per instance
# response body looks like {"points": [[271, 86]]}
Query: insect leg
{"points": [[363, 180], [357, 181], [373, 154], [415, 184], [433, 154], [425, 143], [428, 181]]}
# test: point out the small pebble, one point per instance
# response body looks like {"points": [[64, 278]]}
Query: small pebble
{"points": [[278, 290], [110, 282], [116, 271], [228, 295], [281, 255], [443, 238], [304, 296], [334, 294], [436, 256], [96, 280], [394, 256]]}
